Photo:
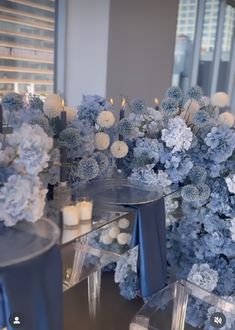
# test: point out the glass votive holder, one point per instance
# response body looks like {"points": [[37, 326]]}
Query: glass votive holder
{"points": [[70, 217], [85, 208]]}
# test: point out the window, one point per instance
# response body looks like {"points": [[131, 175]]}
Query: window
{"points": [[27, 34], [207, 57]]}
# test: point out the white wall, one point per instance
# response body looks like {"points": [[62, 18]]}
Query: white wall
{"points": [[141, 47], [118, 47], [87, 45]]}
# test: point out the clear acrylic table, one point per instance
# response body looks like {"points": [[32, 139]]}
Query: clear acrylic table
{"points": [[172, 309], [84, 254]]}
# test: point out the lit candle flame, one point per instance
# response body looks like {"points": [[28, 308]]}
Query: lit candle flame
{"points": [[156, 101], [123, 103], [62, 103], [111, 101]]}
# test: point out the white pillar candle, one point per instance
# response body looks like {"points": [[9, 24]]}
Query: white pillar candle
{"points": [[70, 216], [84, 208], [84, 228]]}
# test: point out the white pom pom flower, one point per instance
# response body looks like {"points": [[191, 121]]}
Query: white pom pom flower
{"points": [[106, 119], [123, 223], [114, 232], [123, 238], [227, 118], [192, 106], [102, 141], [119, 149], [106, 239], [220, 99], [71, 113], [52, 106]]}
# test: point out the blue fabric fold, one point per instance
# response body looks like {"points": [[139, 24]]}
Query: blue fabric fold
{"points": [[34, 290], [149, 233]]}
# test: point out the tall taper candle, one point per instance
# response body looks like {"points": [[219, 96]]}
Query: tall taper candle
{"points": [[122, 111], [1, 119], [63, 118], [156, 101], [122, 115]]}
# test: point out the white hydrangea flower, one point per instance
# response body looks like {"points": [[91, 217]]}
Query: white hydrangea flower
{"points": [[102, 141], [119, 149], [177, 135], [153, 114], [22, 198], [163, 179], [220, 99], [203, 276], [126, 262], [52, 106], [227, 118], [230, 181], [7, 155], [106, 119], [32, 145], [71, 113]]}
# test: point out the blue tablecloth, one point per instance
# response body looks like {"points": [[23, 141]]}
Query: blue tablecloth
{"points": [[150, 234], [34, 290]]}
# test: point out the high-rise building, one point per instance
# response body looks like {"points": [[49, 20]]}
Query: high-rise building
{"points": [[27, 29]]}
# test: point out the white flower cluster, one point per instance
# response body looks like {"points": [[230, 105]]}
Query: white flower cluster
{"points": [[32, 145], [105, 119], [102, 141], [22, 198], [230, 181], [119, 149], [128, 261], [114, 233], [177, 135], [23, 155], [203, 276], [52, 106]]}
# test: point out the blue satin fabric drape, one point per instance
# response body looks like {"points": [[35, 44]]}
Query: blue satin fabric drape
{"points": [[150, 234], [34, 290]]}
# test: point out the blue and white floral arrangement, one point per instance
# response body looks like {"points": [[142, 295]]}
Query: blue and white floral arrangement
{"points": [[188, 143], [24, 155]]}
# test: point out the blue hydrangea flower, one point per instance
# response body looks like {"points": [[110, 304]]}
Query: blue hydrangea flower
{"points": [[35, 103], [12, 102], [201, 119], [147, 149], [204, 191], [198, 174], [221, 141], [90, 108], [129, 287], [195, 93], [169, 106], [175, 93], [124, 127], [138, 106], [190, 193], [203, 276], [87, 169]]}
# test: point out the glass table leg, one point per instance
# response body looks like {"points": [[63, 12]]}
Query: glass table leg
{"points": [[179, 307], [94, 288]]}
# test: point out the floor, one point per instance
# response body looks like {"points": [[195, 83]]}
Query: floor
{"points": [[115, 312]]}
